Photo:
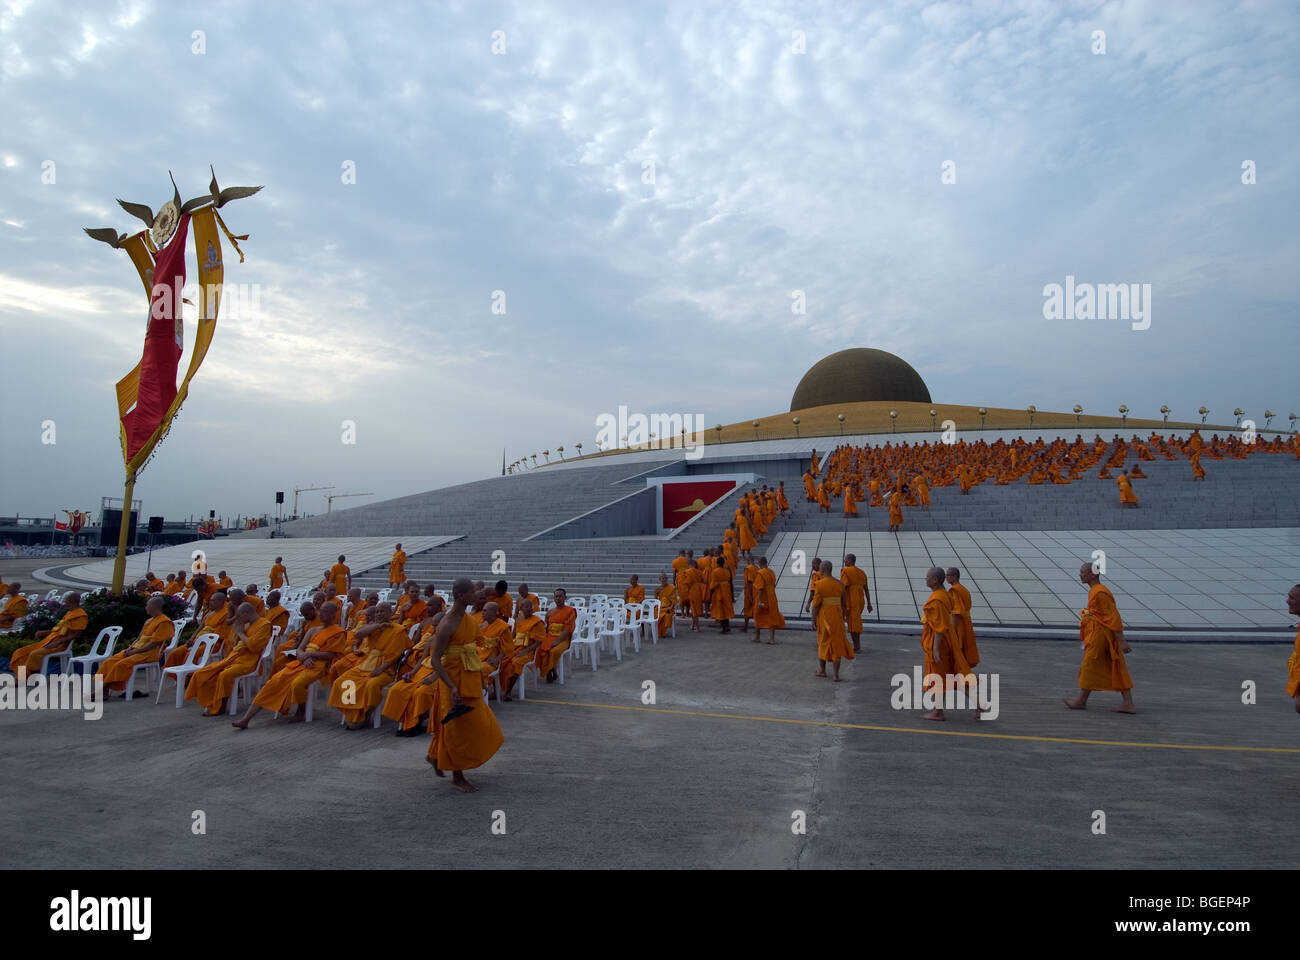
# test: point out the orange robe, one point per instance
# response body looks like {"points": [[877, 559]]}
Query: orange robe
{"points": [[781, 502], [412, 613], [211, 684], [936, 618], [14, 608], [850, 505], [527, 632], [290, 686], [1104, 666], [634, 595], [747, 604], [409, 700], [855, 596], [1126, 494], [896, 509], [355, 693], [31, 655], [558, 621], [490, 637], [277, 575], [397, 567], [767, 614], [1293, 668], [505, 605], [173, 588], [214, 622], [693, 581], [679, 567], [667, 597], [470, 740], [962, 625], [339, 576], [117, 669], [747, 541], [828, 612], [721, 605]]}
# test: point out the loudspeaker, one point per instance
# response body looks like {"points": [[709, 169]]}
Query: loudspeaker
{"points": [[110, 525], [155, 524], [212, 514], [279, 496]]}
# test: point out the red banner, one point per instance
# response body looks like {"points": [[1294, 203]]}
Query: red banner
{"points": [[163, 340], [682, 501]]}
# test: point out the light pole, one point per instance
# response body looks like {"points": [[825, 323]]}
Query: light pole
{"points": [[1238, 413], [1164, 412], [1123, 414], [983, 413], [933, 415], [560, 451], [1078, 409], [1293, 419], [840, 418], [1204, 412], [796, 427], [893, 421], [1031, 410], [1268, 418], [579, 446], [755, 429], [718, 428]]}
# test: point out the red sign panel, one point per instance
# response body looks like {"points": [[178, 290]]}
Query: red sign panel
{"points": [[682, 501]]}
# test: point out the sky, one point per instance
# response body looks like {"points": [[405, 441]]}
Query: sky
{"points": [[559, 208]]}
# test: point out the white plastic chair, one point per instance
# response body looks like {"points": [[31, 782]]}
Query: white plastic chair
{"points": [[100, 651], [650, 611], [201, 649], [611, 629], [632, 624], [587, 638], [250, 682], [151, 667]]}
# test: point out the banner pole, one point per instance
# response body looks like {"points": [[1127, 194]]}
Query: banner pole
{"points": [[119, 562]]}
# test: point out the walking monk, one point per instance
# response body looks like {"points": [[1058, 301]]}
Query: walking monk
{"points": [[963, 626], [212, 685], [943, 656], [341, 577], [1293, 664], [856, 595], [1127, 497], [15, 606], [693, 583], [470, 739], [148, 647], [828, 614], [360, 689], [721, 597], [895, 510], [55, 640], [1102, 632], [767, 615], [397, 568], [292, 685], [279, 575]]}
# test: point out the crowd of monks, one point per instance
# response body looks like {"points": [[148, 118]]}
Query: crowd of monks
{"points": [[428, 666]]}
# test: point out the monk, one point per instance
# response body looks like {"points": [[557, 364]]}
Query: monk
{"points": [[199, 592], [223, 581], [944, 655], [1136, 473], [635, 593], [781, 502], [341, 577], [292, 685], [747, 596], [823, 498], [155, 585], [397, 568], [212, 685], [693, 583], [500, 595], [1293, 663], [857, 594], [812, 582], [923, 492], [963, 626], [815, 467], [767, 614], [666, 594], [850, 504], [470, 739], [895, 510], [360, 689], [147, 647], [410, 696], [275, 613], [1102, 633], [1127, 497], [215, 620], [250, 596], [524, 594], [560, 623], [1198, 471], [307, 611], [680, 563], [174, 585], [279, 574], [721, 597], [493, 640], [828, 615], [411, 609], [55, 640], [15, 606], [809, 488], [530, 634]]}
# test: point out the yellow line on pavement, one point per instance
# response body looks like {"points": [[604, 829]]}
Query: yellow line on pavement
{"points": [[931, 732]]}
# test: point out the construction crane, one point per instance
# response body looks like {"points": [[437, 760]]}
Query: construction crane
{"points": [[329, 500], [298, 490]]}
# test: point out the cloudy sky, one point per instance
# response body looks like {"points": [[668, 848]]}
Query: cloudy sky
{"points": [[524, 170]]}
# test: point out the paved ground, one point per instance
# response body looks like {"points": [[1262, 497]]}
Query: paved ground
{"points": [[589, 776]]}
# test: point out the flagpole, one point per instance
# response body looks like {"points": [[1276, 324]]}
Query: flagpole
{"points": [[119, 562]]}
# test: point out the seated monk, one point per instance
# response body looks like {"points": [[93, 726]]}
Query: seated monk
{"points": [[530, 633], [212, 685], [216, 620], [560, 623], [410, 696], [1105, 474], [635, 593], [172, 586], [55, 640], [275, 613], [147, 647], [359, 690], [361, 615], [411, 608], [1136, 471], [309, 622], [667, 597], [500, 594], [250, 596], [292, 685], [493, 640], [15, 606], [155, 585]]}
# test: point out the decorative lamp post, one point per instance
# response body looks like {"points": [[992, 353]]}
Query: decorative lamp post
{"points": [[579, 446], [1268, 418], [547, 455], [1123, 413], [1031, 410], [1164, 412], [718, 428], [1078, 409], [796, 426], [755, 429], [933, 414], [893, 421], [560, 451], [534, 456], [983, 412], [1238, 413], [1204, 412], [840, 418], [1293, 419]]}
